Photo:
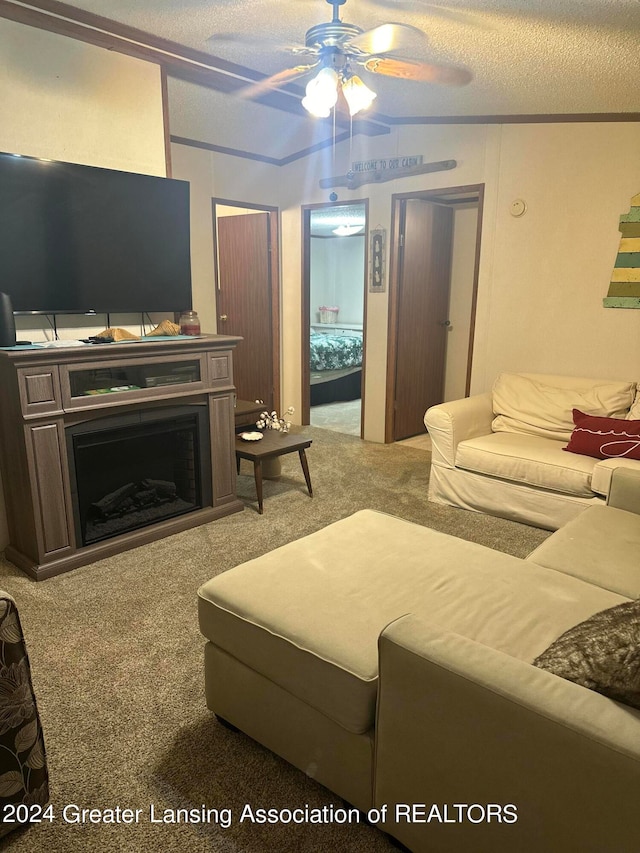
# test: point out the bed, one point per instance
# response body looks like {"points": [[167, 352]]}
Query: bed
{"points": [[335, 363]]}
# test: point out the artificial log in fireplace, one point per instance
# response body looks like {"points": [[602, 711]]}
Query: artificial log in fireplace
{"points": [[106, 448], [135, 470]]}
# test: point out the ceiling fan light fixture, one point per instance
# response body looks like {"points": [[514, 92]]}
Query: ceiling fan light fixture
{"points": [[357, 95], [321, 93]]}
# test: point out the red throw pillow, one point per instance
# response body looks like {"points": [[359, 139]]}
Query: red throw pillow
{"points": [[604, 438]]}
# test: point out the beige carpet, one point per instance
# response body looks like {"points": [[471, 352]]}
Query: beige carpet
{"points": [[116, 660], [338, 417]]}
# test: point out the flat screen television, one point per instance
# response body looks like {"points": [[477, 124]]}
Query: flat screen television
{"points": [[77, 239]]}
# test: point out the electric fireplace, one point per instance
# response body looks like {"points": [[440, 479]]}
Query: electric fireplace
{"points": [[107, 448], [137, 469]]}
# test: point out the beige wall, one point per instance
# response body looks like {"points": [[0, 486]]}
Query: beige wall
{"points": [[550, 269], [542, 276], [64, 100]]}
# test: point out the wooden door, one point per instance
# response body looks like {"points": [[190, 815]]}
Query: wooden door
{"points": [[244, 302], [423, 302]]}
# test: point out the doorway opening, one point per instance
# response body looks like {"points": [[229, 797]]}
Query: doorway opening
{"points": [[333, 315], [245, 246], [433, 283]]}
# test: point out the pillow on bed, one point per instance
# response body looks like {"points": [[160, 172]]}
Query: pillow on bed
{"points": [[601, 653]]}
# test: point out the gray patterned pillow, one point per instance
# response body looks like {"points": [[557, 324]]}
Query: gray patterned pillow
{"points": [[24, 779], [601, 653]]}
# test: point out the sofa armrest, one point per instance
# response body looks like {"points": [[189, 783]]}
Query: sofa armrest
{"points": [[624, 491], [450, 423], [461, 723]]}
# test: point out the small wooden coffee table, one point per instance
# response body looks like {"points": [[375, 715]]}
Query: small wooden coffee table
{"points": [[272, 444]]}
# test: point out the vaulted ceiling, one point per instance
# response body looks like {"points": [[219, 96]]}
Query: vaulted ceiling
{"points": [[569, 58]]}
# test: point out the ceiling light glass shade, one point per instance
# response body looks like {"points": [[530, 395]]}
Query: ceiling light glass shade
{"points": [[357, 95], [347, 230], [322, 93]]}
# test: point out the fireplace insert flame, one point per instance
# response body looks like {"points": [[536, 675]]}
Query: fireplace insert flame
{"points": [[135, 470]]}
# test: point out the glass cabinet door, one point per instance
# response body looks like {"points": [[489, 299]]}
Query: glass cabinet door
{"points": [[132, 376]]}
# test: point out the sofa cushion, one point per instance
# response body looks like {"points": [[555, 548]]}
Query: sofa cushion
{"points": [[634, 411], [601, 546], [544, 406], [601, 653], [528, 459], [604, 438], [308, 615], [603, 470]]}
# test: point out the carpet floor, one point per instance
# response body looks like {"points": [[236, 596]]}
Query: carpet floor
{"points": [[116, 659]]}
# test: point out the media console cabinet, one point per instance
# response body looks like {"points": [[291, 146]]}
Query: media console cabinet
{"points": [[106, 447]]}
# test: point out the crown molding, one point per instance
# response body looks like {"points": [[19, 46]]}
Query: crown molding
{"points": [[532, 118], [262, 158]]}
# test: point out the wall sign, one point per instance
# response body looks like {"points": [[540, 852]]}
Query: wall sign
{"points": [[377, 257], [387, 163], [624, 288], [379, 171]]}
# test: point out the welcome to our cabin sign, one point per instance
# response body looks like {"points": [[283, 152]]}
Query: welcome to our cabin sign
{"points": [[386, 164], [382, 169]]}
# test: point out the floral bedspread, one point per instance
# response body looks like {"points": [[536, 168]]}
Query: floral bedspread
{"points": [[333, 352]]}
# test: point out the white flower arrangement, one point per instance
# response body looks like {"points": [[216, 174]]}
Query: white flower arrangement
{"points": [[272, 421]]}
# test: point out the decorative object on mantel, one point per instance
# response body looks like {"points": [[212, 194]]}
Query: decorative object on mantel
{"points": [[189, 323], [117, 334], [624, 288], [166, 327], [272, 421], [353, 180], [377, 260]]}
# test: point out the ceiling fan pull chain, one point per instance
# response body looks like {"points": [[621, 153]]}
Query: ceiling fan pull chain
{"points": [[350, 142], [333, 152]]}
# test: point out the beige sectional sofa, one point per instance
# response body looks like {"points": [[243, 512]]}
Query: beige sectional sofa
{"points": [[393, 664], [502, 452]]}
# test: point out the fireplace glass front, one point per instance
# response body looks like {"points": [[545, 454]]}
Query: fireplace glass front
{"points": [[135, 470]]}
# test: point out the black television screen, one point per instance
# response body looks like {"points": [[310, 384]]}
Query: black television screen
{"points": [[79, 238]]}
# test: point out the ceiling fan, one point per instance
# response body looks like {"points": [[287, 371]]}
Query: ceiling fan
{"points": [[337, 49]]}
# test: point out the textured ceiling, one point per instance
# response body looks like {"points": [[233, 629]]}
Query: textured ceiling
{"points": [[527, 57]]}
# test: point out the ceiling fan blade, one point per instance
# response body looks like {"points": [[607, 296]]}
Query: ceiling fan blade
{"points": [[258, 88], [425, 72], [387, 38]]}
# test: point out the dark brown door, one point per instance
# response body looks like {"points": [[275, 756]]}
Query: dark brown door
{"points": [[423, 305], [244, 301]]}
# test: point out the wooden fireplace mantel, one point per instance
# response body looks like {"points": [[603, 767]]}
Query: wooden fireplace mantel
{"points": [[47, 390]]}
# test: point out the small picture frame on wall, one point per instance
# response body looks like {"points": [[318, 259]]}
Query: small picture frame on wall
{"points": [[377, 257]]}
